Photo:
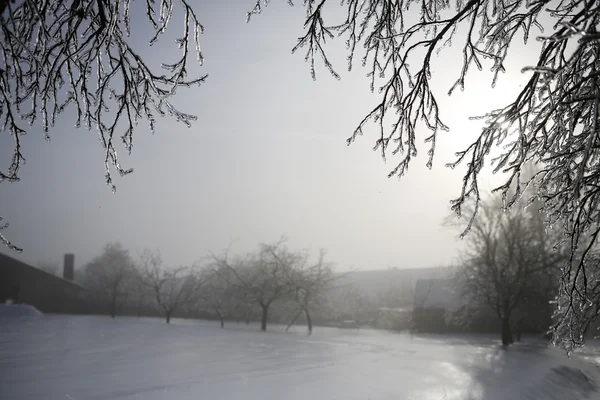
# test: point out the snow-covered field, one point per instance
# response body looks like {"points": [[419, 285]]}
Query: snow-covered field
{"points": [[75, 357]]}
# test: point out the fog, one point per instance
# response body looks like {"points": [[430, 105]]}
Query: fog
{"points": [[267, 157]]}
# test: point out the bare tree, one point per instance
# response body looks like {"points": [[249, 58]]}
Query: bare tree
{"points": [[106, 276], [219, 295], [171, 287], [260, 277], [76, 54], [346, 302], [552, 121], [309, 284], [140, 296], [508, 261]]}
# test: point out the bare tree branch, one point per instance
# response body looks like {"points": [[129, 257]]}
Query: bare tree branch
{"points": [[553, 121], [64, 54], [171, 287]]}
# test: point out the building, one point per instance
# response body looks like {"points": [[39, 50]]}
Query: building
{"points": [[434, 300], [372, 284], [22, 283]]}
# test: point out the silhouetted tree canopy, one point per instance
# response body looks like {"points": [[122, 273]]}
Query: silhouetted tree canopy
{"points": [[108, 277], [508, 265]]}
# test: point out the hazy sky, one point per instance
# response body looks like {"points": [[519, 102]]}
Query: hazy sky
{"points": [[266, 157]]}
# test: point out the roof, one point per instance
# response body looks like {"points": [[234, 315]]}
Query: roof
{"points": [[7, 263]]}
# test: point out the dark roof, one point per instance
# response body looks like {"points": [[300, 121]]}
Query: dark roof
{"points": [[7, 262]]}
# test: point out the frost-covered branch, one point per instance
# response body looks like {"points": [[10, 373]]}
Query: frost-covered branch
{"points": [[76, 54], [553, 121]]}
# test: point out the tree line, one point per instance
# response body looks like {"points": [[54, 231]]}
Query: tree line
{"points": [[509, 276], [507, 279], [273, 279]]}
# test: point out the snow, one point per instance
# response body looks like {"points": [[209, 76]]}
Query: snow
{"points": [[18, 310], [81, 357]]}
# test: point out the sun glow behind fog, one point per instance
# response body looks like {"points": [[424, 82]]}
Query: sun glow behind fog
{"points": [[463, 112]]}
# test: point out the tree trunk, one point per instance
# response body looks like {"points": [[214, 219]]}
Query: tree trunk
{"points": [[168, 316], [221, 315], [263, 320], [507, 337], [293, 320], [518, 330], [308, 321], [113, 308]]}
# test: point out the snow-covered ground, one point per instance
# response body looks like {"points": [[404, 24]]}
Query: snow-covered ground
{"points": [[69, 357], [18, 310]]}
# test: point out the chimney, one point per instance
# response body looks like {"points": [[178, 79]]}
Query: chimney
{"points": [[69, 267]]}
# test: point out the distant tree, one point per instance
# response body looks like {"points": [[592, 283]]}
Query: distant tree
{"points": [[260, 277], [139, 295], [215, 298], [346, 302], [107, 276], [309, 284], [171, 287], [218, 295], [552, 121], [77, 54], [509, 263]]}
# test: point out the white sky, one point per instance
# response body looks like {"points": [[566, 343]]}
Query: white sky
{"points": [[266, 157]]}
